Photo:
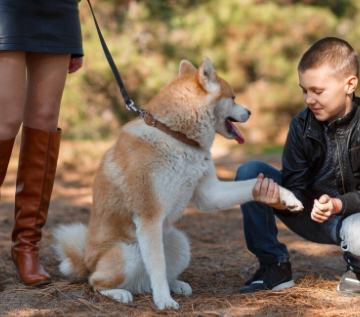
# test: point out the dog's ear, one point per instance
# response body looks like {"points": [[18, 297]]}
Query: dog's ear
{"points": [[207, 76], [186, 67]]}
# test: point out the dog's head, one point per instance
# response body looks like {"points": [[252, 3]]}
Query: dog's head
{"points": [[199, 103]]}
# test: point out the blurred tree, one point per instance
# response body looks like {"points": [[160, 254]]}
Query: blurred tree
{"points": [[254, 44], [338, 7]]}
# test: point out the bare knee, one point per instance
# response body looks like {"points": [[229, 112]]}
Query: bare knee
{"points": [[12, 92], [42, 117], [9, 128]]}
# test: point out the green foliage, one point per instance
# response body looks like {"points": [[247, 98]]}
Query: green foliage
{"points": [[254, 44], [339, 8]]}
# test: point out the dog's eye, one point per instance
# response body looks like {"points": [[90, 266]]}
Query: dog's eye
{"points": [[233, 97]]}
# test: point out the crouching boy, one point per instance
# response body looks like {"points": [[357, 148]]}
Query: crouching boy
{"points": [[321, 166]]}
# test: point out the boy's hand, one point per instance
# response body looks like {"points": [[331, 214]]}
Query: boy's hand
{"points": [[324, 208], [267, 191]]}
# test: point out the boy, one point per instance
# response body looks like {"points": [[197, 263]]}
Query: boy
{"points": [[321, 166]]}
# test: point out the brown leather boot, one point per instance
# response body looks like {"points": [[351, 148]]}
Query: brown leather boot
{"points": [[5, 153], [36, 173]]}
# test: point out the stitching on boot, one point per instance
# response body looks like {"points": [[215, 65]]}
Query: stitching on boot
{"points": [[43, 185]]}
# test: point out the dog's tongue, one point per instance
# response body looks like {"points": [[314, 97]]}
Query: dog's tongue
{"points": [[240, 139]]}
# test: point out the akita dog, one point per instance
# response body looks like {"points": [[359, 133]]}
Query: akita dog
{"points": [[145, 182]]}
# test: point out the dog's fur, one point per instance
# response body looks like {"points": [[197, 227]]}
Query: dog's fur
{"points": [[143, 185]]}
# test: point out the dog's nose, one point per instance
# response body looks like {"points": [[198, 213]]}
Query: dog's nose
{"points": [[249, 112]]}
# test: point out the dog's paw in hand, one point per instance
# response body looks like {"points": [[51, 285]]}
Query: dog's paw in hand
{"points": [[289, 200]]}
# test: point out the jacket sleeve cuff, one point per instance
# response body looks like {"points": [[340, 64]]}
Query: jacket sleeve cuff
{"points": [[351, 203], [343, 202]]}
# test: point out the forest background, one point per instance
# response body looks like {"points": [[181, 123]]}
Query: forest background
{"points": [[254, 44]]}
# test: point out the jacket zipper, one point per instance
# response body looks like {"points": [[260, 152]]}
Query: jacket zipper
{"points": [[341, 173]]}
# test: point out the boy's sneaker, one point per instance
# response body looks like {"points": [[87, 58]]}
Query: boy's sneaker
{"points": [[349, 284], [271, 275]]}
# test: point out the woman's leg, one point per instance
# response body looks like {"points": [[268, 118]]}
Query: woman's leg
{"points": [[39, 151], [45, 85], [12, 92], [12, 97]]}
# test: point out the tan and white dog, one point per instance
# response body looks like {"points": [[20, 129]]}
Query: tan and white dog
{"points": [[145, 182]]}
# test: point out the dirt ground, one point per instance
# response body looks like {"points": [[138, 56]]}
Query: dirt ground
{"points": [[219, 266]]}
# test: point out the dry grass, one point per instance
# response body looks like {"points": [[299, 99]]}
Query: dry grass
{"points": [[219, 267]]}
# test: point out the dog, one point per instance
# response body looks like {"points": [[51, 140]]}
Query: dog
{"points": [[144, 184]]}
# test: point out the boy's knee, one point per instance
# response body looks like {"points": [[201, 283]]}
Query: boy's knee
{"points": [[350, 234], [250, 170]]}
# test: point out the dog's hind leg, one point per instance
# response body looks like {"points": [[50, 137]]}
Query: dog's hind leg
{"points": [[109, 275], [177, 254]]}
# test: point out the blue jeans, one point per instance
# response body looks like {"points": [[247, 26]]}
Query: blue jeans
{"points": [[261, 231]]}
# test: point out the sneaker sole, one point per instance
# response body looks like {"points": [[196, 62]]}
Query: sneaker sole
{"points": [[284, 286], [346, 294]]}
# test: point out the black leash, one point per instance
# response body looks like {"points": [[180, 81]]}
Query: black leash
{"points": [[145, 115], [128, 102]]}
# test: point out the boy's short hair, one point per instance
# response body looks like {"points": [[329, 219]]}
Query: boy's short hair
{"points": [[333, 52]]}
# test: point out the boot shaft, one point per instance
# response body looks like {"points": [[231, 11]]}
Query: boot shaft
{"points": [[38, 157], [36, 174]]}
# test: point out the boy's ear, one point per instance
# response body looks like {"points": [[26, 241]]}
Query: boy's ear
{"points": [[207, 76], [351, 84]]}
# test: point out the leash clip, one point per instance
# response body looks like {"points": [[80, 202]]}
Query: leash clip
{"points": [[130, 106], [148, 117]]}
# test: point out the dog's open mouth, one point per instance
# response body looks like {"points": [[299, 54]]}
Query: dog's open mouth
{"points": [[234, 130]]}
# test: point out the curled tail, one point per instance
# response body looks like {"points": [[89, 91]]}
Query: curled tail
{"points": [[70, 241]]}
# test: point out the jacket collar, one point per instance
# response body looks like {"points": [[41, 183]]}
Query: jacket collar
{"points": [[315, 128], [348, 118]]}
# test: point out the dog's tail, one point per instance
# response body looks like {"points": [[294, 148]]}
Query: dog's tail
{"points": [[70, 241]]}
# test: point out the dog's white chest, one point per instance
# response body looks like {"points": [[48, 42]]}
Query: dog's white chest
{"points": [[180, 185]]}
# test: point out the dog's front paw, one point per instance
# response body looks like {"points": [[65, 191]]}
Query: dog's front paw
{"points": [[182, 288], [120, 295], [165, 302], [288, 199]]}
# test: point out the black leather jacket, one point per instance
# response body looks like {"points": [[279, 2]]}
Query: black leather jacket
{"points": [[305, 151]]}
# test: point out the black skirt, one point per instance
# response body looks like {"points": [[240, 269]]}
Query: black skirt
{"points": [[43, 26]]}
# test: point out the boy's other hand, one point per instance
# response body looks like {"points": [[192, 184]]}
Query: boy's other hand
{"points": [[267, 191], [324, 208]]}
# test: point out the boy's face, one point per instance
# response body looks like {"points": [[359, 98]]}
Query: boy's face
{"points": [[325, 95]]}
